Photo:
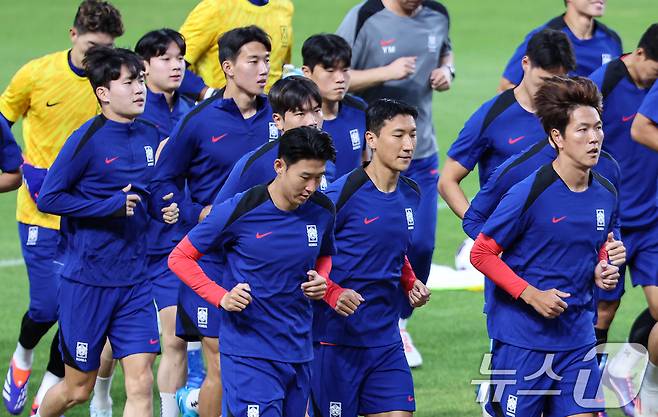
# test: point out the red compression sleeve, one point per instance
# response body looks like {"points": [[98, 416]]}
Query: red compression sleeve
{"points": [[408, 276], [323, 267], [183, 262], [484, 257], [603, 253]]}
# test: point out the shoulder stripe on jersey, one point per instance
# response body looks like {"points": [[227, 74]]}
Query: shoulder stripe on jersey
{"points": [[606, 155], [556, 23], [502, 102], [353, 182], [98, 122], [411, 183], [534, 150], [350, 100], [366, 11], [544, 177], [150, 124], [260, 152], [600, 26], [323, 201], [251, 199], [614, 73], [437, 7], [604, 182], [205, 103]]}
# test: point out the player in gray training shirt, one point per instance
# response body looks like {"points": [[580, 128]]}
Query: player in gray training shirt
{"points": [[401, 49]]}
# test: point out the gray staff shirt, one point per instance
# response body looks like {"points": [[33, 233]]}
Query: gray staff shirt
{"points": [[378, 37]]}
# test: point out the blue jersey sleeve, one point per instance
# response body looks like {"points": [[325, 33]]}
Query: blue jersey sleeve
{"points": [[212, 233], [328, 246], [597, 76], [649, 106], [513, 71], [470, 144], [235, 182], [506, 223], [192, 85], [57, 195], [10, 153]]}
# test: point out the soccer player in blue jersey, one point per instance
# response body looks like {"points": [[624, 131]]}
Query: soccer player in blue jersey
{"points": [[594, 43], [10, 160], [375, 209], [506, 124], [98, 183], [327, 60], [543, 308], [271, 236]]}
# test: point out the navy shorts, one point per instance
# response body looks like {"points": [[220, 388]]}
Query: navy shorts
{"points": [[264, 388], [641, 255], [165, 282], [350, 381], [89, 315], [195, 317], [557, 384]]}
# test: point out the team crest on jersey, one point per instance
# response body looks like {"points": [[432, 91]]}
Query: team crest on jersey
{"points": [[356, 139], [511, 405], [605, 58], [253, 410], [432, 43], [323, 183], [81, 351], [274, 132], [312, 235], [285, 39], [335, 409], [32, 235], [150, 159], [600, 219], [410, 218], [202, 317]]}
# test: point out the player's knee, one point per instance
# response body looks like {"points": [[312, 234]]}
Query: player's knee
{"points": [[140, 384], [79, 395]]}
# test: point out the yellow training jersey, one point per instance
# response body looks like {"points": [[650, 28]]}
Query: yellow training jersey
{"points": [[211, 18], [53, 102]]}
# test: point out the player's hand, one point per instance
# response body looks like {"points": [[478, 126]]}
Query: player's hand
{"points": [[440, 78], [549, 303], [237, 299], [315, 287], [205, 212], [616, 250], [419, 294], [348, 302], [170, 213], [401, 68], [131, 200], [606, 276]]}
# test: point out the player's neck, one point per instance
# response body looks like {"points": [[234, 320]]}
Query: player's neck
{"points": [[116, 117], [246, 102], [575, 177], [384, 178], [631, 61], [524, 96], [330, 109], [168, 95], [278, 198], [394, 6], [581, 25]]}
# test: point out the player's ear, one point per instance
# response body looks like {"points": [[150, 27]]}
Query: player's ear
{"points": [[279, 166], [146, 67], [278, 120], [371, 139], [227, 67], [306, 71], [73, 34], [525, 63], [103, 94], [557, 139]]}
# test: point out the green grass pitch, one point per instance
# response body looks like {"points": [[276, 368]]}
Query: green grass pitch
{"points": [[450, 331]]}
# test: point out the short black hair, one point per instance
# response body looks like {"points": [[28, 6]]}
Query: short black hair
{"points": [[230, 42], [550, 49], [326, 49], [306, 143], [386, 109], [103, 64], [649, 42], [293, 93], [156, 42], [97, 16]]}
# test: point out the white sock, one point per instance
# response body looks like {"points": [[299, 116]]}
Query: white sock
{"points": [[48, 381], [622, 364], [192, 400], [168, 405], [23, 358], [649, 392], [193, 346], [101, 399], [402, 324]]}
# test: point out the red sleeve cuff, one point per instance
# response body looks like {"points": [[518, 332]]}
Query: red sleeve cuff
{"points": [[408, 277], [484, 257], [323, 267], [603, 253], [183, 261]]}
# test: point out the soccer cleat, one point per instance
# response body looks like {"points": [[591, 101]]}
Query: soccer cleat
{"points": [[196, 372], [181, 400], [99, 412], [410, 352], [624, 390], [14, 392]]}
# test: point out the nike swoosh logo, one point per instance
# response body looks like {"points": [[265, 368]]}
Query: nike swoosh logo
{"points": [[49, 104], [410, 398], [215, 139], [260, 236], [627, 118], [558, 219], [153, 341], [512, 141], [368, 221], [110, 160], [386, 42], [434, 171]]}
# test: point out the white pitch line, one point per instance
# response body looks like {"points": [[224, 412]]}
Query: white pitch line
{"points": [[6, 263]]}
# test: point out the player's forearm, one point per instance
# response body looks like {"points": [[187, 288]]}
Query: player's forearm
{"points": [[10, 181], [364, 79], [447, 59], [645, 131], [62, 203], [453, 195], [485, 258], [183, 261]]}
